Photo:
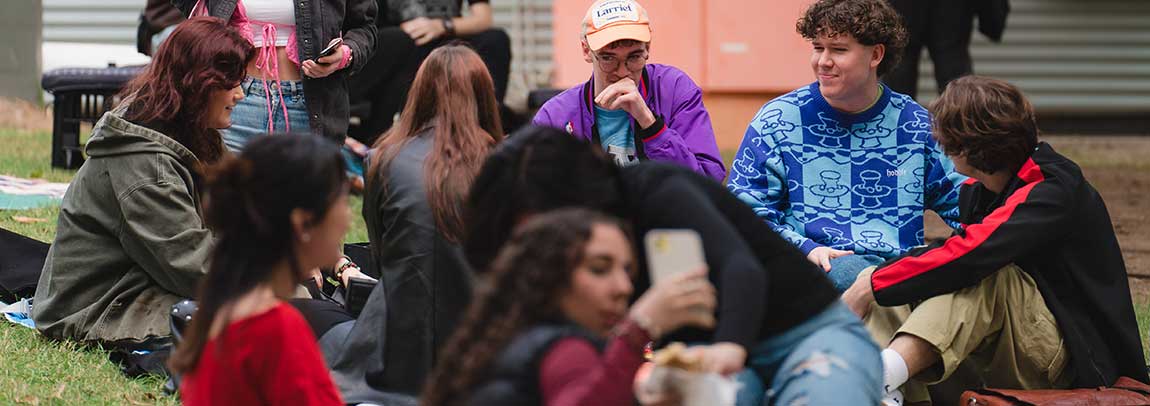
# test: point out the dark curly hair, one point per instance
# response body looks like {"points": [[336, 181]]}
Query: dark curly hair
{"points": [[521, 290], [987, 121], [870, 22]]}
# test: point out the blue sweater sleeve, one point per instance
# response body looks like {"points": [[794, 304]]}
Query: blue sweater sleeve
{"points": [[758, 178], [942, 184]]}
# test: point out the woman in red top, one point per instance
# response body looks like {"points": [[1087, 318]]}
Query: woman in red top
{"points": [[278, 211], [551, 325]]}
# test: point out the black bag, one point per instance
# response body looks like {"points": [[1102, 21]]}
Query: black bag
{"points": [[21, 261]]}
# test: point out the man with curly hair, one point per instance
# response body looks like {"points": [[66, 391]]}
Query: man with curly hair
{"points": [[1032, 288], [845, 165]]}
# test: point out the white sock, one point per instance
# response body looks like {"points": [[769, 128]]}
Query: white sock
{"points": [[894, 372]]}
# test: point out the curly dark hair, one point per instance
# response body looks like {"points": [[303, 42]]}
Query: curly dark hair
{"points": [[987, 121], [521, 290], [870, 22]]}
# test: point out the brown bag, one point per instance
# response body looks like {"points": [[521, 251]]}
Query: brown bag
{"points": [[1125, 392]]}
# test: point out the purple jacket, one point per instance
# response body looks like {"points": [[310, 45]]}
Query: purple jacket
{"points": [[682, 131]]}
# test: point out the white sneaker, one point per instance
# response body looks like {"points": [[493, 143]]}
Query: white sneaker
{"points": [[893, 398]]}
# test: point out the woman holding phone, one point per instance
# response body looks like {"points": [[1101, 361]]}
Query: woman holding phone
{"points": [[778, 315], [550, 324], [290, 86]]}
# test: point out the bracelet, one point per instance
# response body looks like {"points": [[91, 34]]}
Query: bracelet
{"points": [[343, 267], [449, 26], [346, 57]]}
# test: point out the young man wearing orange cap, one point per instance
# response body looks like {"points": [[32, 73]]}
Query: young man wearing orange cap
{"points": [[635, 110]]}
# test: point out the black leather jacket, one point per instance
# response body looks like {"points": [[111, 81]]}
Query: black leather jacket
{"points": [[425, 286], [317, 22]]}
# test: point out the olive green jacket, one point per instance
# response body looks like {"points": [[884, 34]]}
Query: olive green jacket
{"points": [[130, 239]]}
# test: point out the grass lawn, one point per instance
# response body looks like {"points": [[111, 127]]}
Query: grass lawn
{"points": [[36, 371]]}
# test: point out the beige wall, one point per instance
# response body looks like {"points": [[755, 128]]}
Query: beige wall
{"points": [[730, 46]]}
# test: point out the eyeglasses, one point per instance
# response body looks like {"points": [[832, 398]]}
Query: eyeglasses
{"points": [[611, 62]]}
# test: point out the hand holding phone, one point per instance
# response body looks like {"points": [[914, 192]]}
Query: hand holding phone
{"points": [[330, 49], [673, 251]]}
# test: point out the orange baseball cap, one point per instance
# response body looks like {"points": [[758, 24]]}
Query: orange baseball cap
{"points": [[608, 21]]}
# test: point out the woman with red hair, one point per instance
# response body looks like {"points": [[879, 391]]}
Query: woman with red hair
{"points": [[130, 239]]}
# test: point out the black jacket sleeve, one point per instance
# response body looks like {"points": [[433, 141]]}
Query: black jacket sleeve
{"points": [[674, 201], [1031, 216], [360, 31]]}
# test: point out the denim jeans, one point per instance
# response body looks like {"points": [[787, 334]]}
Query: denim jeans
{"points": [[250, 116], [827, 360], [846, 268]]}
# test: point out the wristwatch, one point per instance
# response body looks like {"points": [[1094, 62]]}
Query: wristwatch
{"points": [[449, 26]]}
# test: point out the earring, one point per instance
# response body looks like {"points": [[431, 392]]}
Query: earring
{"points": [[305, 237]]}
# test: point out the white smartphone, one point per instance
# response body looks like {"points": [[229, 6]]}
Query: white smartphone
{"points": [[673, 251]]}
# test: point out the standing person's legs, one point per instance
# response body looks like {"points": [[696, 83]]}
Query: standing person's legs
{"points": [[494, 47], [952, 22], [904, 77], [375, 82], [828, 360]]}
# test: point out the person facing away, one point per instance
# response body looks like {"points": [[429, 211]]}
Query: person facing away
{"points": [[778, 317], [551, 325], [290, 87], [130, 239], [844, 165], [634, 110], [1032, 288], [279, 211], [413, 203]]}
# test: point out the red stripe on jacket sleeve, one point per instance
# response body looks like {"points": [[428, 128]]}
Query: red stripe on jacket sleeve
{"points": [[957, 246]]}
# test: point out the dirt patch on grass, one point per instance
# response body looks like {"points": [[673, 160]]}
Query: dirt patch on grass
{"points": [[20, 114]]}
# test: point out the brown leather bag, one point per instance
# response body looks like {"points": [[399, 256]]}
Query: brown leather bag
{"points": [[1125, 392]]}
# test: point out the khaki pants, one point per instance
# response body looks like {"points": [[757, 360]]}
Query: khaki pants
{"points": [[1001, 325]]}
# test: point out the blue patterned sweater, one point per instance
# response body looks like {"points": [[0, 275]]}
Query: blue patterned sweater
{"points": [[856, 182]]}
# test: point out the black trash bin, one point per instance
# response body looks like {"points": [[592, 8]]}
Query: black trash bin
{"points": [[81, 95]]}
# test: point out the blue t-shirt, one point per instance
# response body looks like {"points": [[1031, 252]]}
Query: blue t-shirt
{"points": [[616, 135]]}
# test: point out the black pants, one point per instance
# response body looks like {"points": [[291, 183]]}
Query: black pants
{"points": [[384, 81], [944, 28], [321, 315]]}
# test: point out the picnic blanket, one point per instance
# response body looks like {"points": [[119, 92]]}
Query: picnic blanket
{"points": [[17, 193]]}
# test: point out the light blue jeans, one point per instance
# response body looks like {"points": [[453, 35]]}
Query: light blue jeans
{"points": [[828, 360], [250, 116], [846, 268]]}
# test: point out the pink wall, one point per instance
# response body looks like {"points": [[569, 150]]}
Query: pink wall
{"points": [[725, 45]]}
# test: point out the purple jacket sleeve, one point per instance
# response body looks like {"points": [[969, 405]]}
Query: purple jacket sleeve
{"points": [[685, 135]]}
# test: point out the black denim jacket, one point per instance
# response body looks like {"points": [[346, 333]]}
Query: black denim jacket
{"points": [[317, 22]]}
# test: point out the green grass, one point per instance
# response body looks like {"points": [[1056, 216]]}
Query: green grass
{"points": [[37, 371]]}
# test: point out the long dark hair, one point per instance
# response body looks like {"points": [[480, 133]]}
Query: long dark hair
{"points": [[521, 290], [249, 203], [535, 170], [454, 94], [201, 56]]}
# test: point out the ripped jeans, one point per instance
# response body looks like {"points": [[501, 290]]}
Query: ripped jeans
{"points": [[827, 360]]}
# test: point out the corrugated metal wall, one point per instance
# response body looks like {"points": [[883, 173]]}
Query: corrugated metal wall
{"points": [[92, 21], [1069, 55], [528, 22]]}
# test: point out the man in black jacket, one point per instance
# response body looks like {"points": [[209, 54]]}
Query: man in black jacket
{"points": [[1032, 289]]}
